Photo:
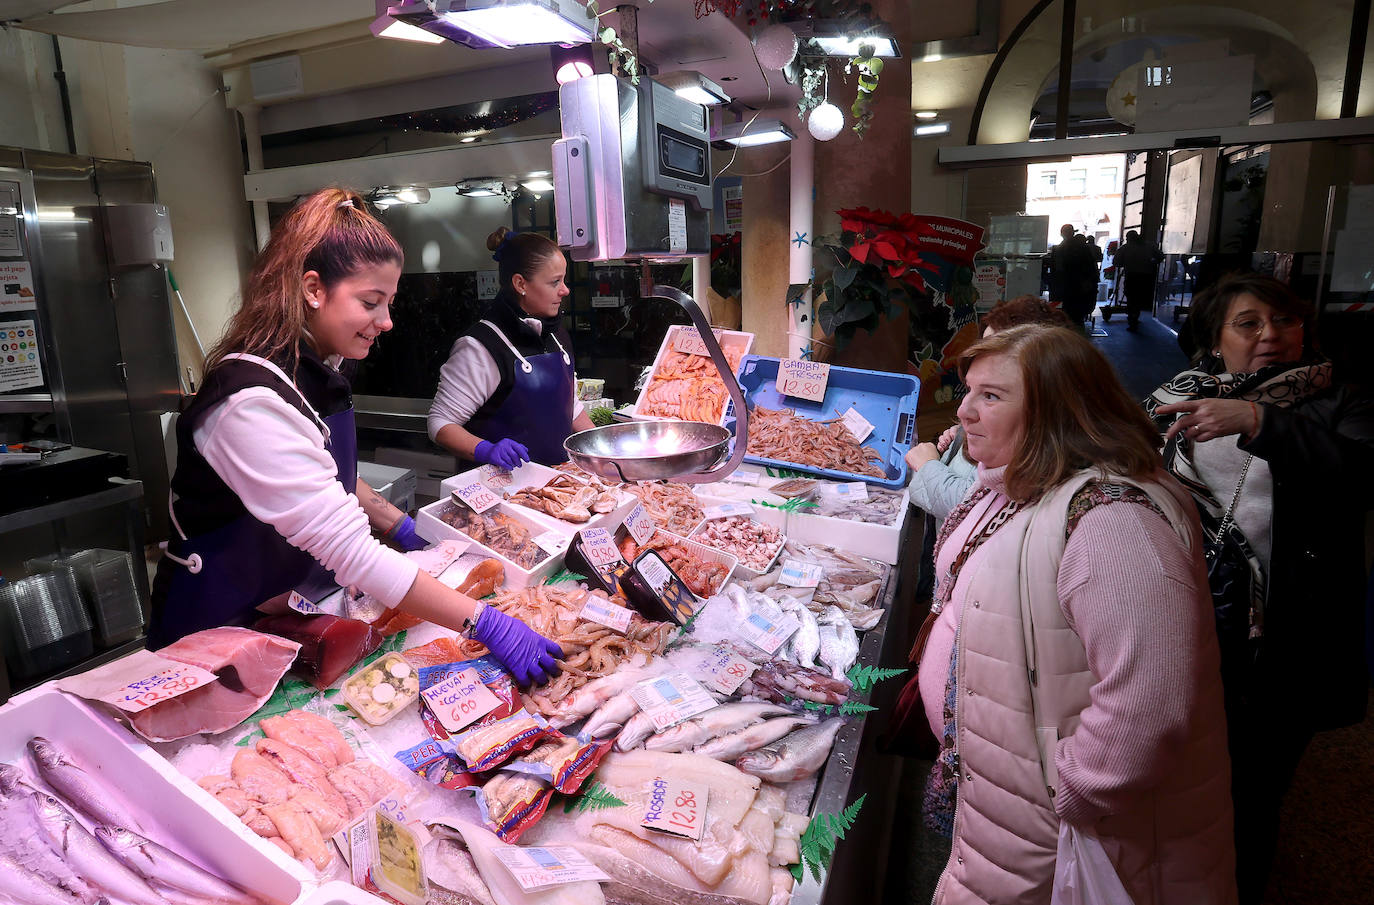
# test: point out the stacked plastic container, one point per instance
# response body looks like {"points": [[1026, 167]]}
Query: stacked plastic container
{"points": [[45, 624], [106, 581]]}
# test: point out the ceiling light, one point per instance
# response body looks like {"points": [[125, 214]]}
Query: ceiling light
{"points": [[571, 63], [926, 114], [481, 188], [843, 39], [508, 23], [538, 185], [386, 27], [693, 86], [468, 139], [747, 134], [848, 45], [931, 129], [390, 197], [931, 58]]}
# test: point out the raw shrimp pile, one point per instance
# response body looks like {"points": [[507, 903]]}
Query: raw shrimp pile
{"points": [[673, 507], [703, 578], [688, 387], [781, 434], [566, 499], [753, 542]]}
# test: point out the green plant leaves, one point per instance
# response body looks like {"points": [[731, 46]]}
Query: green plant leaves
{"points": [[825, 313], [864, 678], [822, 834], [594, 798], [844, 276]]}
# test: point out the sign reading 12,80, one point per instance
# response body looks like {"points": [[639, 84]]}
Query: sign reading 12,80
{"points": [[803, 379]]}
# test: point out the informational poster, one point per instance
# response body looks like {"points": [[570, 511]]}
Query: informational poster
{"points": [[20, 365], [1180, 206], [488, 282], [1015, 234], [9, 219], [990, 280], [734, 208], [16, 287]]}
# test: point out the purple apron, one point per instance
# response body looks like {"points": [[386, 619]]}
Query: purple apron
{"points": [[538, 410]]}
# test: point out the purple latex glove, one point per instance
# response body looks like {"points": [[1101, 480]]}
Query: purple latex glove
{"points": [[506, 454], [526, 653], [403, 533]]}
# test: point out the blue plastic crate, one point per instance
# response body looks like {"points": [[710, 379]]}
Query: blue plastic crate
{"points": [[886, 400]]}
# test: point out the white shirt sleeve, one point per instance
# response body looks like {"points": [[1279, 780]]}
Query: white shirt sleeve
{"points": [[275, 460], [466, 381]]}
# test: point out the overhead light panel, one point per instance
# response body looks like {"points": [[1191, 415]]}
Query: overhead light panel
{"points": [[508, 23], [538, 185], [926, 114], [848, 45], [925, 131], [481, 188], [746, 134], [386, 27], [693, 86], [390, 197], [843, 39]]}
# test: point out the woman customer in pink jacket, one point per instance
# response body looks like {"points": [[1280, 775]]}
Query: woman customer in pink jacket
{"points": [[1071, 668]]}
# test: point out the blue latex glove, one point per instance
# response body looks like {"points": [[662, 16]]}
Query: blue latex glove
{"points": [[526, 653], [403, 533], [506, 454]]}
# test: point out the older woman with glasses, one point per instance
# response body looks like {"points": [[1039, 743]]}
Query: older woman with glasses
{"points": [[1278, 459]]}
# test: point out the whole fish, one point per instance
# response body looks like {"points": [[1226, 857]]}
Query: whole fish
{"points": [[14, 783], [839, 642], [797, 756], [75, 845], [722, 720], [592, 696], [28, 888], [729, 747], [162, 867], [20, 841], [806, 643], [96, 799], [637, 728], [611, 716]]}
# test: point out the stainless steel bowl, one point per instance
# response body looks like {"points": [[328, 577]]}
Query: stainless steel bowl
{"points": [[649, 450]]}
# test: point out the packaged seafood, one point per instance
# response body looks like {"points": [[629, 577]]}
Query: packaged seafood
{"points": [[505, 532], [755, 544], [686, 386], [329, 645], [512, 802], [385, 688], [703, 569]]}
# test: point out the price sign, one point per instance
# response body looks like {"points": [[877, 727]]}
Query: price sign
{"points": [[725, 510], [768, 633], [476, 496], [460, 700], [301, 605], [599, 547], [676, 806], [803, 379], [856, 424], [494, 476], [552, 542], [725, 670], [688, 341], [553, 865], [601, 611], [161, 685], [671, 698], [800, 574], [751, 478], [640, 526]]}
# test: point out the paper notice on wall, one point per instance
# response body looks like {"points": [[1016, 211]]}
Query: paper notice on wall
{"points": [[488, 283], [733, 195], [677, 225], [9, 219], [20, 363], [16, 287]]}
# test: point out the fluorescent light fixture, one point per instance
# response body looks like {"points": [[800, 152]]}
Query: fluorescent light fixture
{"points": [[387, 27], [508, 23], [843, 39], [481, 188], [932, 58], [926, 114], [390, 197], [746, 134], [931, 129], [538, 185], [477, 193], [693, 86], [467, 139], [848, 46]]}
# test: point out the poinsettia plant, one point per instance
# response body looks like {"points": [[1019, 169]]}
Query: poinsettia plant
{"points": [[878, 270]]}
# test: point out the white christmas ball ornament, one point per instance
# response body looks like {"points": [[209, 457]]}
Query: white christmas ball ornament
{"points": [[775, 46], [825, 122]]}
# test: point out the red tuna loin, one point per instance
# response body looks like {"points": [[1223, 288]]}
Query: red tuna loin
{"points": [[330, 645]]}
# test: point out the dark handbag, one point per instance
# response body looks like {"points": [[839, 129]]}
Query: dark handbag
{"points": [[1229, 578], [907, 733]]}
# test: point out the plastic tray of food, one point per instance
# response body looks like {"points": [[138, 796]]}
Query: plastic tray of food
{"points": [[337, 892], [385, 688], [174, 811], [704, 553], [876, 541], [532, 475], [773, 518], [655, 401], [885, 400], [430, 524]]}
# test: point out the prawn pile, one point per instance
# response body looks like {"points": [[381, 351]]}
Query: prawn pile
{"points": [[673, 507], [702, 577], [566, 499], [783, 435], [590, 649], [688, 387]]}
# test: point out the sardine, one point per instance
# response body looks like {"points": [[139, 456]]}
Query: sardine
{"points": [[797, 756], [89, 795], [28, 888], [162, 867], [75, 845], [722, 720], [839, 642]]}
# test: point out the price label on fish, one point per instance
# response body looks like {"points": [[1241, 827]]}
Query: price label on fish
{"points": [[298, 603], [750, 478], [801, 574], [856, 424], [768, 633], [552, 542], [460, 700], [599, 547], [477, 496], [688, 341], [803, 379], [671, 698], [640, 525], [725, 510], [852, 490], [165, 680], [725, 670], [676, 806], [601, 611], [553, 865]]}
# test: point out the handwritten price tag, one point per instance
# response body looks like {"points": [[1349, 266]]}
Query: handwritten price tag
{"points": [[801, 574], [725, 510], [803, 379], [554, 865], [477, 496], [640, 526], [768, 633], [676, 806], [601, 611], [599, 547], [552, 542], [688, 341], [857, 424], [460, 700], [494, 476], [671, 698], [725, 670], [162, 685]]}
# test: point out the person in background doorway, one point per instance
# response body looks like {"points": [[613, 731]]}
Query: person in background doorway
{"points": [[266, 497], [507, 394], [1138, 262], [1258, 429], [1073, 274]]}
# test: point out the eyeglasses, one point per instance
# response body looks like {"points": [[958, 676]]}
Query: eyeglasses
{"points": [[1251, 325]]}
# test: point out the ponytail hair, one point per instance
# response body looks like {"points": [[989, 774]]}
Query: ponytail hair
{"points": [[330, 232], [521, 253]]}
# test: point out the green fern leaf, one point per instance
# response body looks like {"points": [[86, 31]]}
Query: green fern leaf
{"points": [[864, 678], [564, 575], [595, 798], [853, 708]]}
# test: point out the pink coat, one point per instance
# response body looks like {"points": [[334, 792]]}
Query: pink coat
{"points": [[1090, 693]]}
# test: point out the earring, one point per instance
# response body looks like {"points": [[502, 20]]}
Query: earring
{"points": [[314, 304], [1216, 353]]}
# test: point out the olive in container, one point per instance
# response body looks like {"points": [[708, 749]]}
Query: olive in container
{"points": [[382, 689]]}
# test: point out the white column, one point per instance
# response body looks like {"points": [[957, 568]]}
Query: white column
{"points": [[701, 281], [803, 170], [252, 138]]}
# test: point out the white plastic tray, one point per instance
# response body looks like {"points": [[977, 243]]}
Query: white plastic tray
{"points": [[337, 892], [880, 542], [709, 554], [773, 517], [729, 339], [180, 815], [430, 526], [532, 474]]}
